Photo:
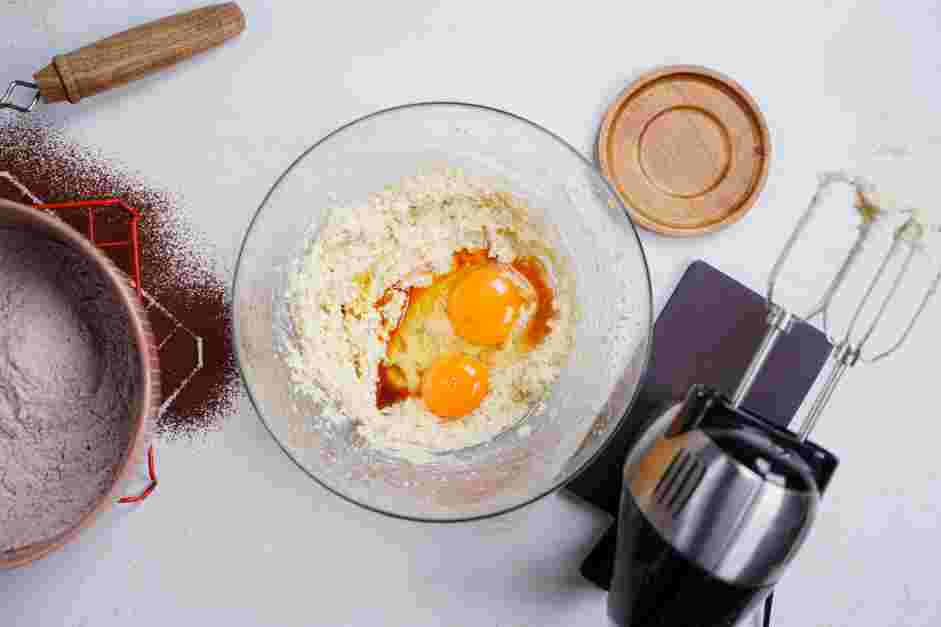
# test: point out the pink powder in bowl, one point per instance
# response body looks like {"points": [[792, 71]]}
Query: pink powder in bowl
{"points": [[70, 378]]}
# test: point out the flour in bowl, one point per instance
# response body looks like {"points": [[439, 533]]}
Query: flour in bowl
{"points": [[67, 381], [433, 317]]}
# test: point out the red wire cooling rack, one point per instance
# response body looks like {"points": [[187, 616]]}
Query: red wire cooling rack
{"points": [[91, 208], [130, 243]]}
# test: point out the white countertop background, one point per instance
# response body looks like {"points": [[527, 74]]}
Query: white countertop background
{"points": [[237, 535]]}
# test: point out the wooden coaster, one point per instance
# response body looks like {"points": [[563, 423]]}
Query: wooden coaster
{"points": [[687, 148]]}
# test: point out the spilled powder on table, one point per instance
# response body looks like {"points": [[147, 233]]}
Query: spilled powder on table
{"points": [[185, 289]]}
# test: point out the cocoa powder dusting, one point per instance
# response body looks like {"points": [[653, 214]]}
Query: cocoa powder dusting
{"points": [[185, 293]]}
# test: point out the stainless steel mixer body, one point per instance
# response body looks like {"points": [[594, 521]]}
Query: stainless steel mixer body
{"points": [[718, 501], [716, 504], [741, 524]]}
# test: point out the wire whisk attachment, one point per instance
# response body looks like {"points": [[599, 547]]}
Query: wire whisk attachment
{"points": [[871, 290]]}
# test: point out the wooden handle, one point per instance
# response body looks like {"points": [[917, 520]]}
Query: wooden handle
{"points": [[137, 52]]}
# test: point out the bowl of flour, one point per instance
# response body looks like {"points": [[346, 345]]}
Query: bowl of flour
{"points": [[78, 379], [348, 271]]}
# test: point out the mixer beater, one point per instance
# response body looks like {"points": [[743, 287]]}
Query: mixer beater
{"points": [[717, 500], [907, 246]]}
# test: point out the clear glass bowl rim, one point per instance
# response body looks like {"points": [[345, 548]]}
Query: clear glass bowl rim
{"points": [[647, 347]]}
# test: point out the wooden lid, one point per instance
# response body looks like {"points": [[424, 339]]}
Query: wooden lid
{"points": [[686, 148]]}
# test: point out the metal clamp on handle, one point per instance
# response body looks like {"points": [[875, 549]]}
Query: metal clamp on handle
{"points": [[7, 102]]}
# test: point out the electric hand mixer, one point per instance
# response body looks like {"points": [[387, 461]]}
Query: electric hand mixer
{"points": [[718, 500]]}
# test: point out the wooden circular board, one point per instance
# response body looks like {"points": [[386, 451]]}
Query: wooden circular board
{"points": [[687, 149]]}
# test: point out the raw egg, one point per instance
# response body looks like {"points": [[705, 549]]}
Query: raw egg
{"points": [[454, 386], [484, 305], [480, 316]]}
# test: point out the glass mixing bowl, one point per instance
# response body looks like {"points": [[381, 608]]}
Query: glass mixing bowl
{"points": [[594, 234]]}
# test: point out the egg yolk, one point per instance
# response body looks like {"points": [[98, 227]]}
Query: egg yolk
{"points": [[454, 385], [484, 305]]}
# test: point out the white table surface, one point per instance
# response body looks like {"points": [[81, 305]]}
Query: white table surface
{"points": [[237, 535]]}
